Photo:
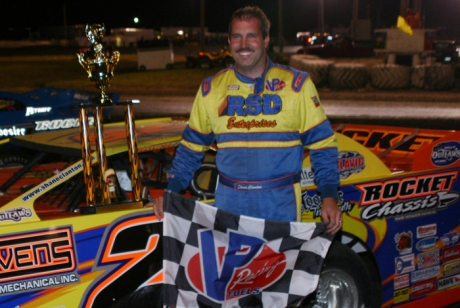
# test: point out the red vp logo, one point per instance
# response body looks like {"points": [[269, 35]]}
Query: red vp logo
{"points": [[242, 266]]}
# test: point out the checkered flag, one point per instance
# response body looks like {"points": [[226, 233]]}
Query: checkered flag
{"points": [[213, 258]]}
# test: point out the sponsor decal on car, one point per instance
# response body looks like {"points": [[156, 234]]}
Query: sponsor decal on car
{"points": [[350, 163], [451, 268], [12, 131], [401, 295], [450, 238], [423, 287], [37, 260], [425, 273], [404, 264], [15, 214], [451, 253], [313, 204], [426, 230], [34, 110], [428, 259], [426, 244], [408, 197], [445, 153], [401, 281], [404, 242], [448, 282], [60, 124]]}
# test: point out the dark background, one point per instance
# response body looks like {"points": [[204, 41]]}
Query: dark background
{"points": [[298, 15]]}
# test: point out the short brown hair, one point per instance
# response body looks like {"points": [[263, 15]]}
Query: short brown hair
{"points": [[249, 12]]}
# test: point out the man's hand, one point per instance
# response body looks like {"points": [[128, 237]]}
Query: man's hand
{"points": [[157, 204], [331, 213]]}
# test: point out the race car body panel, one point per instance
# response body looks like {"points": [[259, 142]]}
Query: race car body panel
{"points": [[399, 194]]}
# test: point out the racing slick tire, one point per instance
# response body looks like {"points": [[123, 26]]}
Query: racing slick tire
{"points": [[390, 76], [146, 297], [343, 76], [13, 159], [439, 77], [344, 281], [318, 70]]}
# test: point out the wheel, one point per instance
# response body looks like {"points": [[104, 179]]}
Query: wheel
{"points": [[146, 297], [439, 77], [190, 63], [390, 76], [205, 64], [142, 68], [344, 281], [318, 70], [348, 76], [14, 159]]}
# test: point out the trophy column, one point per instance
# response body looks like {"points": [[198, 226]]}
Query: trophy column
{"points": [[100, 70]]}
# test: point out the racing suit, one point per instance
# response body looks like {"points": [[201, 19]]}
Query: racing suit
{"points": [[260, 127]]}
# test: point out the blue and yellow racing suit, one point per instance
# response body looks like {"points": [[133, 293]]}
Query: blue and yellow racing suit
{"points": [[261, 127]]}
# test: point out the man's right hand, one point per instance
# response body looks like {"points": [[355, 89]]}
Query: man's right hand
{"points": [[158, 207]]}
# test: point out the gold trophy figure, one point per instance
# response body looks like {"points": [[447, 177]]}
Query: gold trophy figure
{"points": [[100, 67]]}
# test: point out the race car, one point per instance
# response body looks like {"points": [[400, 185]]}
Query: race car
{"points": [[43, 109], [40, 110], [399, 194]]}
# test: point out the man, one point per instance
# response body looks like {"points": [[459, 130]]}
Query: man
{"points": [[261, 115]]}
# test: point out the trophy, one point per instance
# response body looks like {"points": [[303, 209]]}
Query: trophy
{"points": [[101, 65]]}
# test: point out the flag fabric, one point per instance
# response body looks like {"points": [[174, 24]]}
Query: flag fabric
{"points": [[403, 25], [213, 258]]}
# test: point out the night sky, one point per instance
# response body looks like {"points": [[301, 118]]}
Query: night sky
{"points": [[298, 15]]}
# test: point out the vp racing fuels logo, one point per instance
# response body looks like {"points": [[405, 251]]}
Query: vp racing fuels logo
{"points": [[248, 267], [409, 197], [446, 153]]}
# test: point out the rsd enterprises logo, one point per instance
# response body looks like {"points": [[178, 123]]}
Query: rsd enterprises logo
{"points": [[446, 153], [243, 266]]}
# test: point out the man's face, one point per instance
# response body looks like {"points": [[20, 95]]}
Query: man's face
{"points": [[248, 47]]}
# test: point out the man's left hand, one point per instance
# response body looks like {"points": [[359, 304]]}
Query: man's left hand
{"points": [[331, 213]]}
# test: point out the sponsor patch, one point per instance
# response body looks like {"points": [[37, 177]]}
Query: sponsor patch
{"points": [[233, 87], [275, 84]]}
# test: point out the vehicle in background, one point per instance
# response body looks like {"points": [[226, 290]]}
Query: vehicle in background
{"points": [[336, 48], [446, 51], [208, 60]]}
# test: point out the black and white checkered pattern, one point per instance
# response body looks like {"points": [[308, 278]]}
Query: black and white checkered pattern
{"points": [[304, 244]]}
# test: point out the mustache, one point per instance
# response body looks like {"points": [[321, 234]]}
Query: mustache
{"points": [[245, 49]]}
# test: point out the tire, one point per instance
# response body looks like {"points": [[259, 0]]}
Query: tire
{"points": [[343, 76], [344, 281], [295, 61], [318, 70], [205, 64], [142, 68], [439, 77], [146, 297], [190, 63], [390, 76], [13, 159], [417, 77]]}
